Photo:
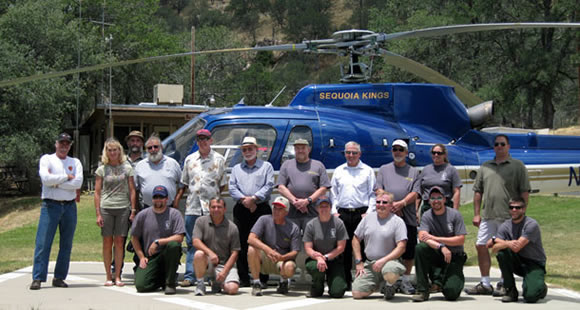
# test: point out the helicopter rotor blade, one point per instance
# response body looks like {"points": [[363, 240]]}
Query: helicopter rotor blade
{"points": [[445, 30], [430, 75]]}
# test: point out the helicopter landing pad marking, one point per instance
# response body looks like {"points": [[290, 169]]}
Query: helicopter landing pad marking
{"points": [[192, 304], [291, 304]]}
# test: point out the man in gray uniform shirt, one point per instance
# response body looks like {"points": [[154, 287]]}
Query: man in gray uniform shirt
{"points": [[302, 180], [519, 249], [385, 238], [274, 244], [218, 243], [251, 183], [402, 180]]}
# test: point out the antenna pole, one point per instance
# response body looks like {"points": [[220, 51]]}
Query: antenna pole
{"points": [[192, 65]]}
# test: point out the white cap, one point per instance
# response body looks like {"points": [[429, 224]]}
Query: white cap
{"points": [[400, 142]]}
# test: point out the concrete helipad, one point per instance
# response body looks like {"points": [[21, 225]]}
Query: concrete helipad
{"points": [[86, 291]]}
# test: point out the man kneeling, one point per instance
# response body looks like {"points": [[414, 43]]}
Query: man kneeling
{"points": [[217, 241], [274, 243], [440, 254], [385, 237]]}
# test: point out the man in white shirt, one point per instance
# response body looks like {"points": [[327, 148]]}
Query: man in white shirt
{"points": [[352, 194], [61, 177]]}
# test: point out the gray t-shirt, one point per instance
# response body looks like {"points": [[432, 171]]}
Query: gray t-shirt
{"points": [[325, 235], [150, 226], [380, 235], [445, 176], [282, 238], [148, 175], [115, 190], [400, 181], [303, 179], [223, 239], [529, 229], [448, 224]]}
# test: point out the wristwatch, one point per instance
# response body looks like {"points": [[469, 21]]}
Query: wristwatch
{"points": [[156, 242], [309, 200], [492, 239], [441, 246], [326, 257], [357, 261]]}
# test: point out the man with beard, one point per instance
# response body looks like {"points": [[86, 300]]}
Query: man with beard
{"points": [[302, 180], [402, 180], [135, 141], [204, 175], [61, 177], [156, 235], [519, 249], [157, 169], [251, 183]]}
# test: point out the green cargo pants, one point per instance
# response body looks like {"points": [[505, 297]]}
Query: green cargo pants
{"points": [[429, 264], [334, 276], [161, 269], [532, 272]]}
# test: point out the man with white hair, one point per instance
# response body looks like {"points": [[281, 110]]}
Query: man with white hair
{"points": [[251, 183], [352, 196]]}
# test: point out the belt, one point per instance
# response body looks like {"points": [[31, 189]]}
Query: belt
{"points": [[59, 201], [362, 209]]}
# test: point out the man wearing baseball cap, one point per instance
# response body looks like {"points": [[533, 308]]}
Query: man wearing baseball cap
{"points": [[324, 241], [61, 177], [274, 243], [302, 180], [440, 254], [251, 183], [401, 180], [156, 234], [204, 174]]}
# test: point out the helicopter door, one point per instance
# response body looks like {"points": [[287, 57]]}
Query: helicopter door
{"points": [[308, 130]]}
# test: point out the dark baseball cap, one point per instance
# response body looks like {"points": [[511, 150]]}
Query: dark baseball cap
{"points": [[323, 199], [64, 137], [437, 189], [160, 190]]}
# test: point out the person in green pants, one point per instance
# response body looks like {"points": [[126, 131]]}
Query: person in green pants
{"points": [[440, 256], [161, 229], [324, 241], [519, 249]]}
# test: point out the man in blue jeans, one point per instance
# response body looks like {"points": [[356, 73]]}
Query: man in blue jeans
{"points": [[61, 176]]}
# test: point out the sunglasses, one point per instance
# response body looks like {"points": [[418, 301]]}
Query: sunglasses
{"points": [[203, 138], [153, 147], [499, 143], [383, 202], [436, 198], [516, 207], [437, 153], [398, 149], [351, 152], [158, 197]]}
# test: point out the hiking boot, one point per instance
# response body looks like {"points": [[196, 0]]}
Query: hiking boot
{"points": [[435, 288], [264, 285], [499, 290], [544, 292], [407, 288], [256, 289], [35, 285], [389, 292], [216, 287], [420, 296], [56, 282], [170, 290], [282, 287], [479, 289], [200, 288], [511, 295], [185, 283]]}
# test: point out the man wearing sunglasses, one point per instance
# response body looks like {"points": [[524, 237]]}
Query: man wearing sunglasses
{"points": [[204, 174], [352, 196], [440, 254], [498, 180], [402, 180], [519, 249]]}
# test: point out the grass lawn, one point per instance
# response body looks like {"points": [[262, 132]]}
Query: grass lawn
{"points": [[557, 218]]}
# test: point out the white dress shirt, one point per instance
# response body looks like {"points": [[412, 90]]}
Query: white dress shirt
{"points": [[352, 187]]}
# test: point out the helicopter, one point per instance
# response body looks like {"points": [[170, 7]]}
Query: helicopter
{"points": [[374, 115]]}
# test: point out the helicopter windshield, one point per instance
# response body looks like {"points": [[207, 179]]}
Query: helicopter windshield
{"points": [[179, 144], [227, 140]]}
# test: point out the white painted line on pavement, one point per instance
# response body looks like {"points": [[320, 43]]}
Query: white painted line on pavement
{"points": [[564, 292], [307, 302], [193, 304], [15, 274], [130, 289], [78, 279]]}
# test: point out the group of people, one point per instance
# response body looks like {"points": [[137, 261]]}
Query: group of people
{"points": [[387, 224]]}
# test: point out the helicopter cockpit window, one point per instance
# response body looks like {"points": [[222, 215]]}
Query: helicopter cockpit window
{"points": [[298, 132], [180, 143], [227, 140]]}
